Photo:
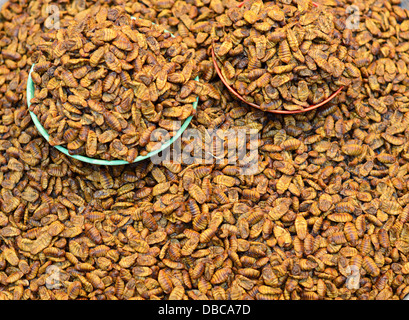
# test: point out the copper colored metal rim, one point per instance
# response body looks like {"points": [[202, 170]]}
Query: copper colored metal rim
{"points": [[236, 94], [116, 162]]}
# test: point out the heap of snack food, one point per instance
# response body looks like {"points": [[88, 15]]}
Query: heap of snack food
{"points": [[283, 56], [325, 216]]}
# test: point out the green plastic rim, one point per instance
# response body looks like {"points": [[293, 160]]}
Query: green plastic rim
{"points": [[44, 133]]}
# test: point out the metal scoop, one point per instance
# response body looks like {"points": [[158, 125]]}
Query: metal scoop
{"points": [[235, 93]]}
